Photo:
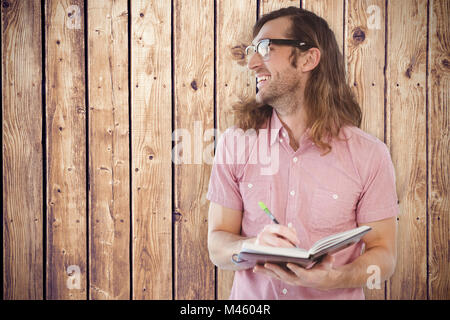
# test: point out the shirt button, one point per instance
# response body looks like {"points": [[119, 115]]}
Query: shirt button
{"points": [[295, 159], [292, 193], [281, 140], [284, 291], [335, 196], [284, 134], [250, 185]]}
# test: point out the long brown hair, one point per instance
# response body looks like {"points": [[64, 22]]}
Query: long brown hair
{"points": [[329, 101]]}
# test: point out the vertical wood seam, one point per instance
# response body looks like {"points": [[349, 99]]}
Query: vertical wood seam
{"points": [[130, 149], [215, 115], [427, 134], [1, 118], [386, 22], [87, 189], [344, 34], [172, 70], [44, 157]]}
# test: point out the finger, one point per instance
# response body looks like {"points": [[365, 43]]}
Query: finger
{"points": [[327, 262], [265, 271], [284, 275], [270, 239], [299, 271], [283, 231]]}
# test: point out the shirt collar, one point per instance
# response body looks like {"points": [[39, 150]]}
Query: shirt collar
{"points": [[276, 126]]}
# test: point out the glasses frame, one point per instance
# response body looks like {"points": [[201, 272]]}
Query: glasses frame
{"points": [[284, 42]]}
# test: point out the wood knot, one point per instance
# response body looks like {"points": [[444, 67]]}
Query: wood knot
{"points": [[194, 85], [408, 71], [80, 109], [177, 216], [446, 63], [5, 4], [238, 54], [359, 35]]}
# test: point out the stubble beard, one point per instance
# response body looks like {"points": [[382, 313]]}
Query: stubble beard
{"points": [[280, 94]]}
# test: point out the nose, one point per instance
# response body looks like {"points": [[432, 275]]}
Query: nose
{"points": [[254, 61]]}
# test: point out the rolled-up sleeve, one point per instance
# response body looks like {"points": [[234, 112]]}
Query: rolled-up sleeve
{"points": [[378, 199], [223, 185]]}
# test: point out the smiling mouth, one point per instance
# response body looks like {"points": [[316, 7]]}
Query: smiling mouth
{"points": [[262, 78]]}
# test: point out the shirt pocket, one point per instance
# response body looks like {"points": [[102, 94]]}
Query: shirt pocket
{"points": [[331, 212], [254, 218]]}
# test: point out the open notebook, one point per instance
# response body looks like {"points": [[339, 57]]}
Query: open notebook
{"points": [[251, 252]]}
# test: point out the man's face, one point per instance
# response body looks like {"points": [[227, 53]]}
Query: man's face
{"points": [[276, 76]]}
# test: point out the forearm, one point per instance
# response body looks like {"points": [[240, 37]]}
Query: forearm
{"points": [[222, 245], [356, 273]]}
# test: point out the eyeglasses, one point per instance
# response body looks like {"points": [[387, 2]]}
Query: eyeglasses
{"points": [[263, 46]]}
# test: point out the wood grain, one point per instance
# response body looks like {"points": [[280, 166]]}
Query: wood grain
{"points": [[66, 150], [194, 112], [22, 150], [109, 206], [151, 127], [234, 81], [266, 6], [415, 92], [333, 12], [365, 56], [364, 50], [406, 137], [438, 147]]}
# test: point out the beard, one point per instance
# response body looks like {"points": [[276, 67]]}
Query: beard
{"points": [[280, 90]]}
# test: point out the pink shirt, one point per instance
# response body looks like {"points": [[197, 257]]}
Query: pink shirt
{"points": [[351, 185]]}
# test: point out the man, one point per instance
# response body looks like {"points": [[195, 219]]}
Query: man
{"points": [[329, 176]]}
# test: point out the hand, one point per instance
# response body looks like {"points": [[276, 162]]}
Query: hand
{"points": [[322, 276], [277, 235]]}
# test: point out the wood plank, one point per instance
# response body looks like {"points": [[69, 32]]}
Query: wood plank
{"points": [[151, 122], [439, 144], [332, 11], [66, 150], [364, 50], [364, 55], [194, 113], [109, 206], [22, 150], [406, 136], [234, 81], [266, 6]]}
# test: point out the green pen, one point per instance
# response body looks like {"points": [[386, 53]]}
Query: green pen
{"points": [[264, 207]]}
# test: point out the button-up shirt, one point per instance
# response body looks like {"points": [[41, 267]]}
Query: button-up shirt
{"points": [[317, 195]]}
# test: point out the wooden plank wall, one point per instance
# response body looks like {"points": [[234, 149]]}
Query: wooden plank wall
{"points": [[98, 96], [22, 160]]}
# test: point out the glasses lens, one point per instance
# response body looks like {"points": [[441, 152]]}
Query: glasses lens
{"points": [[263, 48]]}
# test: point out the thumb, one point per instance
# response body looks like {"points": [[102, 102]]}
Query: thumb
{"points": [[328, 261], [330, 258]]}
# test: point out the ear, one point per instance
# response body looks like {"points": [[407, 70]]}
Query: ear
{"points": [[309, 60]]}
